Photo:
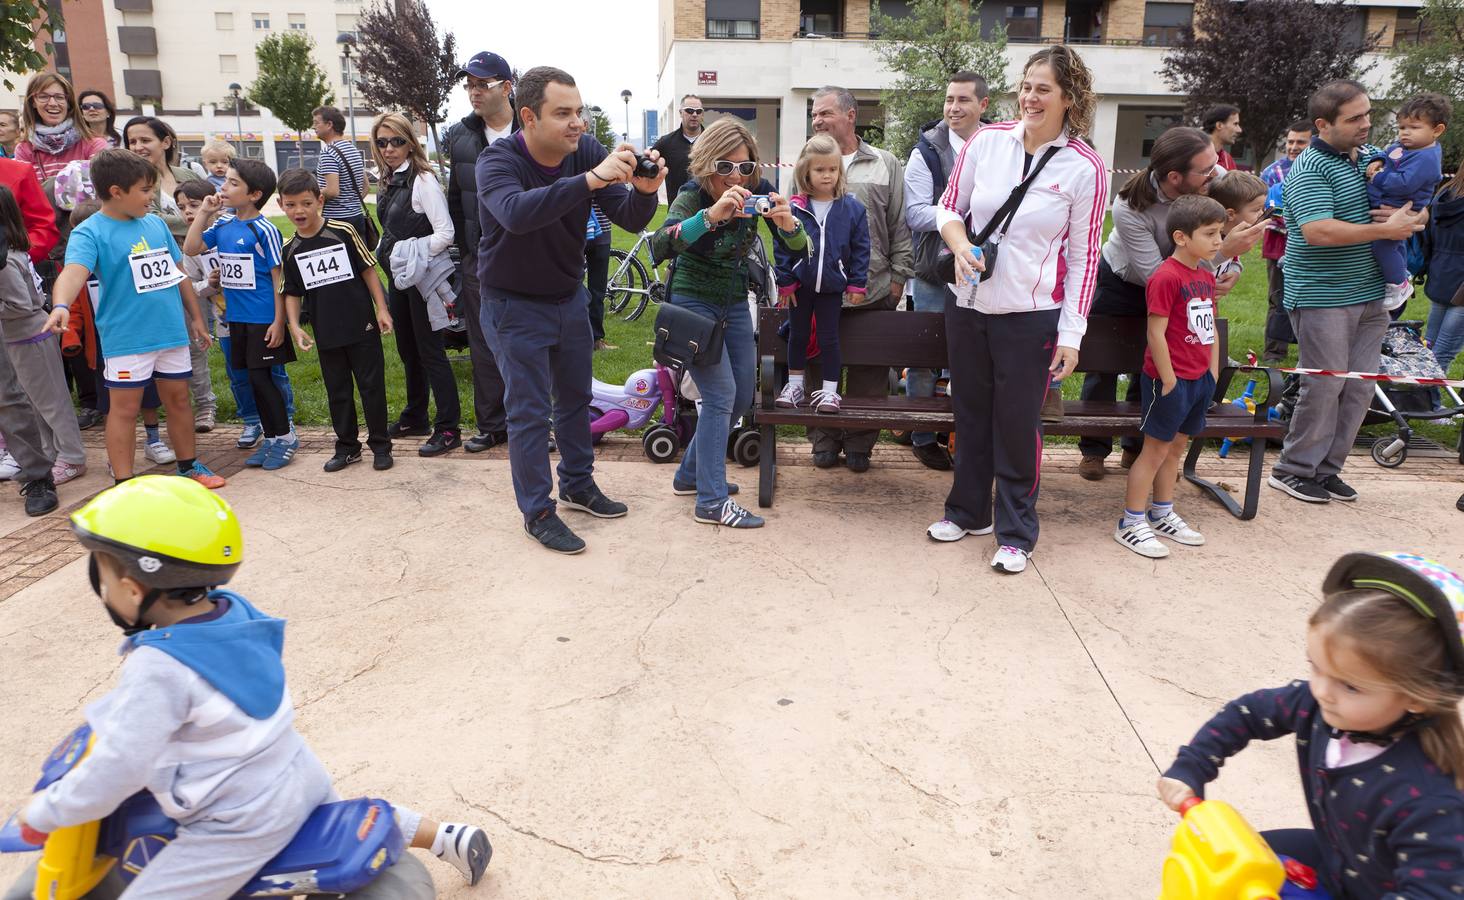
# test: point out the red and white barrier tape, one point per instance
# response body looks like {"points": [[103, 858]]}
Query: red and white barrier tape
{"points": [[782, 165], [1362, 376]]}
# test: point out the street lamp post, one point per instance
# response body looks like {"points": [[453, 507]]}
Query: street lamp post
{"points": [[238, 123], [347, 42], [625, 95]]}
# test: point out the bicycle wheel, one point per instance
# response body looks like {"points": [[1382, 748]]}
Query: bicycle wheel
{"points": [[627, 280], [656, 293]]}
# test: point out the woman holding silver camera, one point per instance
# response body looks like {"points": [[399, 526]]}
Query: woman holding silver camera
{"points": [[710, 229]]}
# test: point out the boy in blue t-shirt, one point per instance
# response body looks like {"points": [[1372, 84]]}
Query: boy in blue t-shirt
{"points": [[249, 251], [145, 311]]}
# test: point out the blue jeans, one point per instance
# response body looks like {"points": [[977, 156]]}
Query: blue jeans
{"points": [[543, 351], [244, 394], [726, 389], [1445, 336], [921, 382]]}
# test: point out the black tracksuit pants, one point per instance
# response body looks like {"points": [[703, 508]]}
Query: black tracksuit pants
{"points": [[345, 370], [999, 377]]}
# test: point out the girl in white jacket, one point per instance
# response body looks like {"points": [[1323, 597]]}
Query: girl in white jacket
{"points": [[1012, 335]]}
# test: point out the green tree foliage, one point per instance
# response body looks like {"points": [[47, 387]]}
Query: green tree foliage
{"points": [[403, 64], [20, 25], [937, 39], [600, 128], [290, 84], [1436, 63], [1266, 58]]}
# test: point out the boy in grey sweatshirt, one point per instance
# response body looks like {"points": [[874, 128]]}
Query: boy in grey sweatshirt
{"points": [[201, 716]]}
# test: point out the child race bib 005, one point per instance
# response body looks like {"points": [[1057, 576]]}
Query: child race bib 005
{"points": [[153, 270], [209, 260], [236, 271], [1202, 319], [327, 265]]}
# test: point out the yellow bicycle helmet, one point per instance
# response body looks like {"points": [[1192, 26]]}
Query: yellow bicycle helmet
{"points": [[169, 533]]}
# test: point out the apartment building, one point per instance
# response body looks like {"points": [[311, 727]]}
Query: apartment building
{"points": [[177, 58], [761, 60]]}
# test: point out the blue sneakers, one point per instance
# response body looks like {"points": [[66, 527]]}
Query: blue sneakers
{"points": [[279, 451], [249, 437], [257, 458]]}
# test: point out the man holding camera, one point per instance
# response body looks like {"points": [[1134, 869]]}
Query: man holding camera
{"points": [[535, 189]]}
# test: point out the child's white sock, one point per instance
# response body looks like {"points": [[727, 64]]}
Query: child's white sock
{"points": [[831, 386], [1158, 511], [1131, 518], [439, 841]]}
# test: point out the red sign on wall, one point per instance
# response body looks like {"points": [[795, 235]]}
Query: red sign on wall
{"points": [[706, 77]]}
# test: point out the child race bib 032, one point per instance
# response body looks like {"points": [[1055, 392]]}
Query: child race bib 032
{"points": [[236, 271], [153, 270], [327, 265]]}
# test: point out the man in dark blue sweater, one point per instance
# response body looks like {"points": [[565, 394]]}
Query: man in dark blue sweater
{"points": [[534, 195]]}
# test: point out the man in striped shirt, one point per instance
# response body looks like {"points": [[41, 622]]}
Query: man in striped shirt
{"points": [[1333, 290], [341, 170]]}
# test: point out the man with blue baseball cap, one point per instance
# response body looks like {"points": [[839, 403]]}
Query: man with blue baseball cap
{"points": [[488, 79]]}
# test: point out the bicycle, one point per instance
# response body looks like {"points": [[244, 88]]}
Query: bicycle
{"points": [[631, 279]]}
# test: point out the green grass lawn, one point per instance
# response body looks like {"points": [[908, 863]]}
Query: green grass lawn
{"points": [[1244, 308]]}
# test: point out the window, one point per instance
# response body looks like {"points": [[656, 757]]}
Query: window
{"points": [[1164, 23], [346, 23], [228, 62], [297, 21], [224, 21], [734, 19], [349, 75], [1024, 22], [1409, 29], [261, 21], [820, 17], [732, 28]]}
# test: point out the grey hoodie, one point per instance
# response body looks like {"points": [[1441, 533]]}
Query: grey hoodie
{"points": [[22, 313]]}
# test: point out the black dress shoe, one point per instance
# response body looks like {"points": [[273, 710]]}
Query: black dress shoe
{"points": [[1459, 504], [341, 460], [826, 459], [382, 461], [551, 531], [593, 501], [402, 429], [40, 496], [485, 440], [933, 456], [440, 443], [857, 462]]}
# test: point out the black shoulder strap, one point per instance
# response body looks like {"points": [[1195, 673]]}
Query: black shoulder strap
{"points": [[350, 171], [1003, 216]]}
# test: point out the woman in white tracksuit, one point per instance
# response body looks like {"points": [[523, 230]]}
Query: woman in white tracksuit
{"points": [[1019, 331]]}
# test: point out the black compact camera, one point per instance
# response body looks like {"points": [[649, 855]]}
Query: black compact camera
{"points": [[645, 167]]}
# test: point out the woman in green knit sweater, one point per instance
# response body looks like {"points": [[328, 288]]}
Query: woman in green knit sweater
{"points": [[711, 236]]}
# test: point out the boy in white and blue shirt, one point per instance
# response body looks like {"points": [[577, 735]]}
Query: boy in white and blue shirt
{"points": [[249, 249]]}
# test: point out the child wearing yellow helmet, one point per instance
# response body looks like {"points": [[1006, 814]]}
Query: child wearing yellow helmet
{"points": [[201, 715], [1378, 732]]}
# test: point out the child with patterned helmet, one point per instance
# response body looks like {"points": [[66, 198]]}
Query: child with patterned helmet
{"points": [[1378, 732]]}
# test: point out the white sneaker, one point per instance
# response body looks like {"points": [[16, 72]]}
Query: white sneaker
{"points": [[466, 847], [1010, 560], [63, 472], [1139, 537], [1395, 295], [947, 531], [790, 397], [159, 452], [1177, 530], [9, 468]]}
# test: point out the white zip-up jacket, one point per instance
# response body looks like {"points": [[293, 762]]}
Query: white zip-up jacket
{"points": [[1050, 254]]}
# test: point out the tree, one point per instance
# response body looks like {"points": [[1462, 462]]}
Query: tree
{"points": [[601, 129], [937, 39], [1435, 62], [290, 85], [1266, 57], [20, 25], [401, 62]]}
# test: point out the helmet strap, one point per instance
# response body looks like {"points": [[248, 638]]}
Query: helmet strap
{"points": [[1387, 736]]}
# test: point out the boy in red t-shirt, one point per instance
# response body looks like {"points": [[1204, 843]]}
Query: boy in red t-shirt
{"points": [[1180, 368]]}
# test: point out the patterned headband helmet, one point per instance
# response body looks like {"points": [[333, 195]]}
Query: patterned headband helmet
{"points": [[1432, 589]]}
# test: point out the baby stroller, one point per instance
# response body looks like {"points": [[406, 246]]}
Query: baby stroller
{"points": [[1404, 353]]}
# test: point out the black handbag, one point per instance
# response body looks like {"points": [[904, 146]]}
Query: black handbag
{"points": [[685, 338], [1001, 220]]}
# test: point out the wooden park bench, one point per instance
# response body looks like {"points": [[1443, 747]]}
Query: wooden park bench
{"points": [[1112, 346]]}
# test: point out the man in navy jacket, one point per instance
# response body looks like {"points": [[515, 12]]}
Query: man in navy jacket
{"points": [[534, 195]]}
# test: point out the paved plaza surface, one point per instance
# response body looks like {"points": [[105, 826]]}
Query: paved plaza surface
{"points": [[833, 706]]}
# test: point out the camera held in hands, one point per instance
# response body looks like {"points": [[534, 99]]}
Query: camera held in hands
{"points": [[758, 205], [645, 167]]}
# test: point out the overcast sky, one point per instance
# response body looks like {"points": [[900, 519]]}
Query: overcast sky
{"points": [[607, 47]]}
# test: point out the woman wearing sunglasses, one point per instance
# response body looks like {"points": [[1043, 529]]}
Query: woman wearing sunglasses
{"points": [[55, 132], [412, 205], [100, 116], [709, 232]]}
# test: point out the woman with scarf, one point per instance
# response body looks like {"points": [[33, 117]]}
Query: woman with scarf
{"points": [[55, 133]]}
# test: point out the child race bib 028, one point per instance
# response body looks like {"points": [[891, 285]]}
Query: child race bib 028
{"points": [[236, 271], [326, 265], [153, 270]]}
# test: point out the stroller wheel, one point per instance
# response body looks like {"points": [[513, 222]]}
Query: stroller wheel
{"points": [[1389, 452], [660, 444], [747, 448]]}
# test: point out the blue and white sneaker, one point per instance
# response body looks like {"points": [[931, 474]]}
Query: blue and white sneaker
{"points": [[249, 437], [281, 451], [261, 452], [728, 513]]}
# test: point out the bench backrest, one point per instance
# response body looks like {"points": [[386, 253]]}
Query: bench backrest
{"points": [[1113, 345]]}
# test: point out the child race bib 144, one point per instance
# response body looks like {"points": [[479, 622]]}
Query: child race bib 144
{"points": [[326, 265]]}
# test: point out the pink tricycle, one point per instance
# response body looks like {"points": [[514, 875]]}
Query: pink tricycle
{"points": [[647, 395]]}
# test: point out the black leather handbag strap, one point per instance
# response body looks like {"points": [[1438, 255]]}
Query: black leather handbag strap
{"points": [[350, 172], [1003, 216]]}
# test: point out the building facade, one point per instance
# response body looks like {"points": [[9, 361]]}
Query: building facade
{"points": [[176, 59], [763, 59]]}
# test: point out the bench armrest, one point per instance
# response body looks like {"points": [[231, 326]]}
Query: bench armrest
{"points": [[767, 379]]}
